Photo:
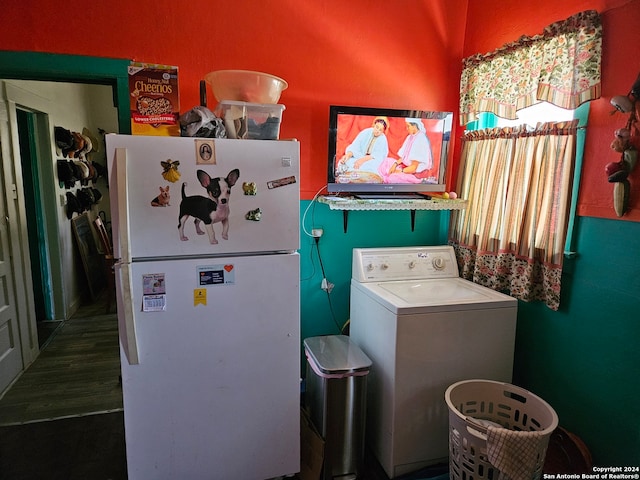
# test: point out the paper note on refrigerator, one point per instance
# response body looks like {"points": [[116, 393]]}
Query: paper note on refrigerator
{"points": [[153, 293]]}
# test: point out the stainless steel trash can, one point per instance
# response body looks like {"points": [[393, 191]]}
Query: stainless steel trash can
{"points": [[336, 392]]}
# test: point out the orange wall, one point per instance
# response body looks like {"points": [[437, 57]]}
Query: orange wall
{"points": [[367, 53], [620, 66]]}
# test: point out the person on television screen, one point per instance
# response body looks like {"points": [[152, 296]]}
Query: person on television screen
{"points": [[367, 151], [415, 156]]}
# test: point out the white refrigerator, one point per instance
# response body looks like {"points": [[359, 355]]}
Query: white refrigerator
{"points": [[208, 305]]}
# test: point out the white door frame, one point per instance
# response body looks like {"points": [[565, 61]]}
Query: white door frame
{"points": [[16, 220], [50, 67]]}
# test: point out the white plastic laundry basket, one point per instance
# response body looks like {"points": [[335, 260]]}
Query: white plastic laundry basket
{"points": [[474, 405]]}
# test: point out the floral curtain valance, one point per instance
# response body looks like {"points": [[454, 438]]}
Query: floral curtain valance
{"points": [[560, 66]]}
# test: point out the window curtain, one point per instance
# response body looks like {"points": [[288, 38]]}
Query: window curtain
{"points": [[511, 235], [560, 66]]}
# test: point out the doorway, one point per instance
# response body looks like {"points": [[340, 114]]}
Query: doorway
{"points": [[37, 289]]}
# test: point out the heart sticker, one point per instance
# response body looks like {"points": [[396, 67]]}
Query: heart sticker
{"points": [[228, 268]]}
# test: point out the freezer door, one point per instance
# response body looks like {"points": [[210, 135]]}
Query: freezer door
{"points": [[216, 392], [171, 197]]}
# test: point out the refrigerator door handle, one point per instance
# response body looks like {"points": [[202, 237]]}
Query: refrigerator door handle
{"points": [[126, 315], [123, 200]]}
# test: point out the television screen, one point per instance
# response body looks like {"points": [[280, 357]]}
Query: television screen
{"points": [[381, 151]]}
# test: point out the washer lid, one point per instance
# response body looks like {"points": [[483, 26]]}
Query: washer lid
{"points": [[427, 292], [335, 355], [434, 295]]}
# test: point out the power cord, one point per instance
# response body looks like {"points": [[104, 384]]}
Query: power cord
{"points": [[326, 286], [316, 233], [306, 211]]}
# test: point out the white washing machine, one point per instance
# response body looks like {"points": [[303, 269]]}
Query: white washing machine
{"points": [[424, 328]]}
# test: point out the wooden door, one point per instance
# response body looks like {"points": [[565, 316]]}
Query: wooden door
{"points": [[10, 347]]}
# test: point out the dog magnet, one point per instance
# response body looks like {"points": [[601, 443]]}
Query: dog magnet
{"points": [[163, 198]]}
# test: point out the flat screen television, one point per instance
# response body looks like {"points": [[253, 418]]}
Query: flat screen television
{"points": [[382, 152]]}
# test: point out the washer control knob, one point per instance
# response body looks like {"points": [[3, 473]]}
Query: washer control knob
{"points": [[438, 263], [384, 266], [412, 264], [370, 267]]}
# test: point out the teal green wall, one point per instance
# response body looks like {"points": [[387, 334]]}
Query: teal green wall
{"points": [[73, 68], [365, 229], [582, 359]]}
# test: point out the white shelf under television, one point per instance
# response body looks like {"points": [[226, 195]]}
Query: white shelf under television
{"points": [[347, 204]]}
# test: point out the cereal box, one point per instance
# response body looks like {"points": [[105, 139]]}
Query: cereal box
{"points": [[154, 100]]}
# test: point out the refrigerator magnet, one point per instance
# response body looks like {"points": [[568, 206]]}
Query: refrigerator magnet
{"points": [[170, 170], [211, 275], [153, 293], [153, 284], [205, 152], [200, 296], [281, 182], [154, 303]]}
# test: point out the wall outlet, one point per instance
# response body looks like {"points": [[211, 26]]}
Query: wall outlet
{"points": [[326, 285], [317, 232]]}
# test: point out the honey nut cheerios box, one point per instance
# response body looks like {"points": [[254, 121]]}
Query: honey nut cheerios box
{"points": [[153, 99]]}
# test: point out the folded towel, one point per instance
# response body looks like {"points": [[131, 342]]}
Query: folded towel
{"points": [[515, 454]]}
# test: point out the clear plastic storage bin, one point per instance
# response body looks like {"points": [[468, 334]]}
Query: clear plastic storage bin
{"points": [[244, 120]]}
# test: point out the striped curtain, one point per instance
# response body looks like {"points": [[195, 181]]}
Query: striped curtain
{"points": [[512, 233], [560, 66]]}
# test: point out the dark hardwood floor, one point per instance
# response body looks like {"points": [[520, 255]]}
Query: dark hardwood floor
{"points": [[62, 419], [77, 373], [90, 447]]}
